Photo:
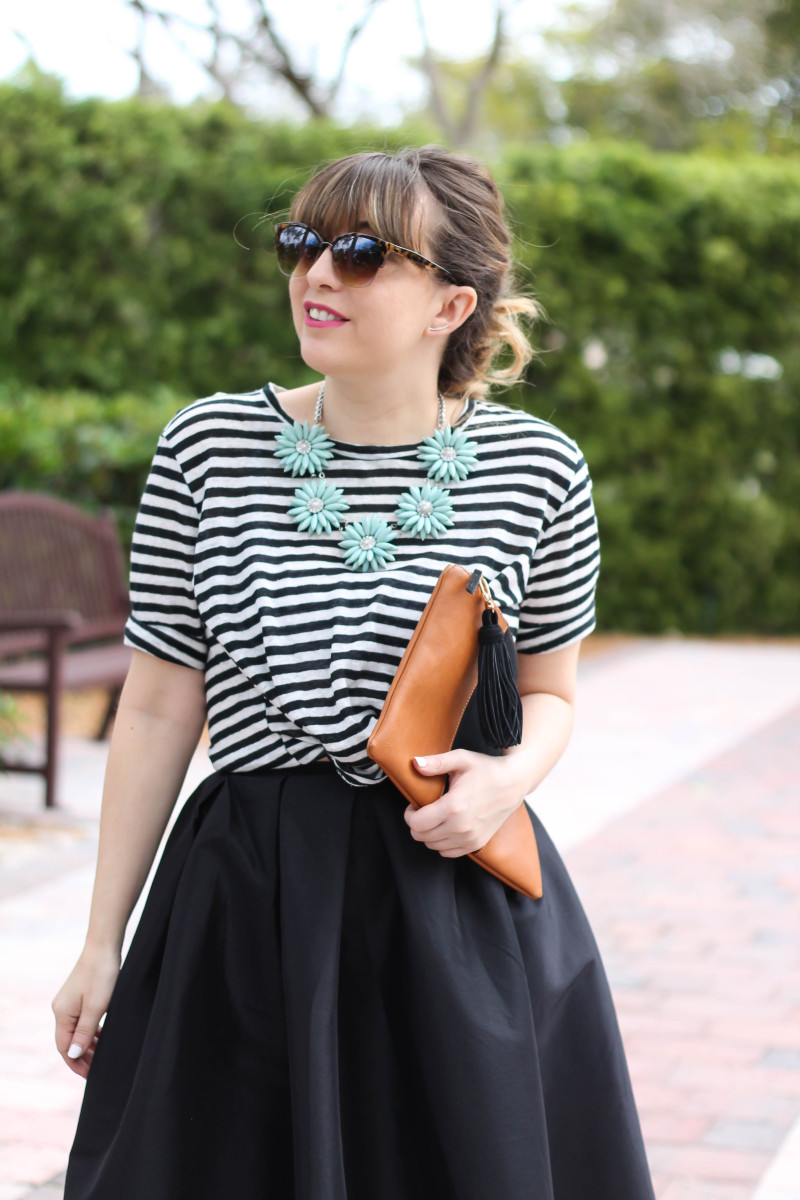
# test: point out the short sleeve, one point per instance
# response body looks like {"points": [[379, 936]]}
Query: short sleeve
{"points": [[164, 618], [558, 605]]}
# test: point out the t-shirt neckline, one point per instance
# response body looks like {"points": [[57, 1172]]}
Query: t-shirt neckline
{"points": [[270, 392]]}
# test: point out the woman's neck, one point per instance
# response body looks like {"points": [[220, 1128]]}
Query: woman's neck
{"points": [[375, 414]]}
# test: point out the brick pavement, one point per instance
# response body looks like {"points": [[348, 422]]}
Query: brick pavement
{"points": [[47, 869], [695, 900], [676, 809]]}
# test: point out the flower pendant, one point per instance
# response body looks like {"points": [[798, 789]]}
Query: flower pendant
{"points": [[425, 511], [317, 506], [448, 454], [367, 544], [304, 448]]}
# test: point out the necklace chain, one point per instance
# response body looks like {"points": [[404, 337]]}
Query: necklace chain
{"points": [[321, 397]]}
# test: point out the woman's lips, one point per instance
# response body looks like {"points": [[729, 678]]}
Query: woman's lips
{"points": [[319, 316]]}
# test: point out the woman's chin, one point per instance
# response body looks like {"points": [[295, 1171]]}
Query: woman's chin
{"points": [[326, 361], [321, 363]]}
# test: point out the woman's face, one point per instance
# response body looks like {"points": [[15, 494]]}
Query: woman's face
{"points": [[356, 331]]}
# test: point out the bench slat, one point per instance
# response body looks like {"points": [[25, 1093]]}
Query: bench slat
{"points": [[100, 666]]}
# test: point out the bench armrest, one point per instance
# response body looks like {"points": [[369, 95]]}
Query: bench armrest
{"points": [[44, 619]]}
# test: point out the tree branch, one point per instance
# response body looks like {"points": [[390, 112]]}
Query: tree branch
{"points": [[266, 53], [146, 85], [482, 78], [26, 43], [301, 84], [353, 34], [434, 76]]}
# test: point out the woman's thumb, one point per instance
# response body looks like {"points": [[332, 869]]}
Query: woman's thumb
{"points": [[439, 764], [81, 1037], [75, 1032]]}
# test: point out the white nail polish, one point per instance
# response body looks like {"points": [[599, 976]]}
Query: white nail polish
{"points": [[75, 1051], [422, 762]]}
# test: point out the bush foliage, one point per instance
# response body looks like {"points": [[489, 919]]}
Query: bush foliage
{"points": [[672, 351], [92, 450], [673, 291]]}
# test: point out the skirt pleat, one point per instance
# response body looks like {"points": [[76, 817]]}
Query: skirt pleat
{"points": [[316, 1006]]}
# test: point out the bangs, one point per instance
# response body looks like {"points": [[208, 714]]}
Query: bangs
{"points": [[376, 188]]}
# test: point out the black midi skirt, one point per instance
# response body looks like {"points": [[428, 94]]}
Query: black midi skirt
{"points": [[316, 1006]]}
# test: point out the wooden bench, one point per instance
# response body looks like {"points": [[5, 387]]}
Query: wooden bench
{"points": [[63, 607]]}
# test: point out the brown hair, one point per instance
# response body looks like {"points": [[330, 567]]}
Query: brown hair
{"points": [[469, 237]]}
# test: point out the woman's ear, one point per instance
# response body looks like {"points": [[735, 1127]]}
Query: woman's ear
{"points": [[459, 305]]}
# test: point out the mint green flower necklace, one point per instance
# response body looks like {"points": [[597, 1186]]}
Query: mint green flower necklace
{"points": [[368, 544]]}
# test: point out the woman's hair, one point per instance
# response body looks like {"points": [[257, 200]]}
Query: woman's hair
{"points": [[467, 234]]}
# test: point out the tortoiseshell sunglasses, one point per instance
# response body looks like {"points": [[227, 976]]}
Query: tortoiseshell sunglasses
{"points": [[357, 257]]}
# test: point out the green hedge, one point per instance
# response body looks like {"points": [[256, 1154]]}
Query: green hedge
{"points": [[118, 263], [664, 277], [684, 273], [92, 450]]}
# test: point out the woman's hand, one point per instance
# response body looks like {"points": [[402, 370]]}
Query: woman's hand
{"points": [[484, 790], [81, 1002]]}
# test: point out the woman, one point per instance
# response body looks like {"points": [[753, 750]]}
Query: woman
{"points": [[325, 998]]}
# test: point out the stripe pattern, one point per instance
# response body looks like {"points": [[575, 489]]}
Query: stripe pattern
{"points": [[298, 650]]}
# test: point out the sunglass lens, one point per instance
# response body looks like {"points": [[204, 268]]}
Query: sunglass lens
{"points": [[298, 249], [357, 260]]}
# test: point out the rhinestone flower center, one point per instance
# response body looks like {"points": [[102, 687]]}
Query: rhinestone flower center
{"points": [[302, 446], [449, 453], [315, 505], [367, 542], [424, 508]]}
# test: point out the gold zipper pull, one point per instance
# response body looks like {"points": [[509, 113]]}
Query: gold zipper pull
{"points": [[487, 595]]}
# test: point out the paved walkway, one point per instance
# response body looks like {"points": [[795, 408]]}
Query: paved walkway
{"points": [[676, 808]]}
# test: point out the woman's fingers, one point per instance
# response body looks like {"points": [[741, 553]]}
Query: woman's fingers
{"points": [[77, 1032], [468, 815], [81, 1065], [79, 1007]]}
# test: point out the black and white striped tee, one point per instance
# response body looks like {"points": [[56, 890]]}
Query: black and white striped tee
{"points": [[299, 650]]}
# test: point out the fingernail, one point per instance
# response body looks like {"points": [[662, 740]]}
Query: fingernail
{"points": [[421, 762], [75, 1051]]}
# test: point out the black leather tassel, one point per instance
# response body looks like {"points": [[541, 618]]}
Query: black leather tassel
{"points": [[499, 705]]}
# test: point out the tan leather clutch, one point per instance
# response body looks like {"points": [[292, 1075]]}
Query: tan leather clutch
{"points": [[432, 707]]}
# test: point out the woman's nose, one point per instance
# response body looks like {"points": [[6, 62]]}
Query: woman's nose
{"points": [[323, 270]]}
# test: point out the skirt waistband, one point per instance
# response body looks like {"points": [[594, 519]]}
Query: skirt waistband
{"points": [[317, 767]]}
